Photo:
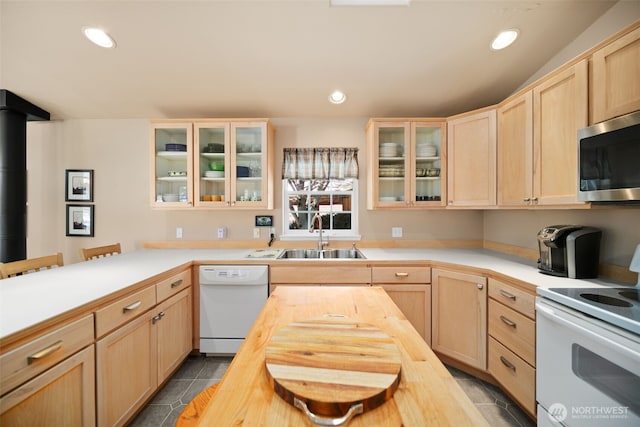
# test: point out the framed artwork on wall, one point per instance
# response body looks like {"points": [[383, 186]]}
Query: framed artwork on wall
{"points": [[80, 220], [78, 185]]}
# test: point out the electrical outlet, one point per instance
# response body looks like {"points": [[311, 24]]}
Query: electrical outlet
{"points": [[396, 231], [256, 233], [178, 232], [222, 232]]}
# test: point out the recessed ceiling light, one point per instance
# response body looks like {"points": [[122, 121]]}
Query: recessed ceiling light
{"points": [[99, 37], [504, 39], [370, 2], [337, 97]]}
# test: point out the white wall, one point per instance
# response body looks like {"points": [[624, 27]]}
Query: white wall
{"points": [[118, 152]]}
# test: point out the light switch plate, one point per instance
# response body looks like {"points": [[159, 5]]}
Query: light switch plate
{"points": [[222, 232], [256, 233], [178, 232], [396, 231]]}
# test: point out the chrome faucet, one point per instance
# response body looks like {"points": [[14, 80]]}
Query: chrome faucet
{"points": [[321, 243]]}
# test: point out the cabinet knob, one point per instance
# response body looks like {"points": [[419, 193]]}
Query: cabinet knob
{"points": [[527, 199], [534, 200], [480, 286]]}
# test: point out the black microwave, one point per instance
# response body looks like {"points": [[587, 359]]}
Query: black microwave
{"points": [[609, 161]]}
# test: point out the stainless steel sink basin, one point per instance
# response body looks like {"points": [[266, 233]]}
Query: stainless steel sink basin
{"points": [[324, 254]]}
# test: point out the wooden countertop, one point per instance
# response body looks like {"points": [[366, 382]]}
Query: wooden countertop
{"points": [[427, 395]]}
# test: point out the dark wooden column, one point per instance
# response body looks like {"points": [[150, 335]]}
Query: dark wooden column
{"points": [[14, 114]]}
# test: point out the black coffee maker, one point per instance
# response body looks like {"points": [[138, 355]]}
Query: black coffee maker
{"points": [[569, 251]]}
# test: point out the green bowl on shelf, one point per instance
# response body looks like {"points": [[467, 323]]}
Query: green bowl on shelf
{"points": [[216, 166]]}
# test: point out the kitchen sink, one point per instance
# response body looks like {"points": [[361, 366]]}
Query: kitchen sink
{"points": [[323, 254]]}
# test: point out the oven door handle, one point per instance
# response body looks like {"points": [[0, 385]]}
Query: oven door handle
{"points": [[602, 340]]}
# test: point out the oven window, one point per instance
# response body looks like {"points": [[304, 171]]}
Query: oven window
{"points": [[614, 381]]}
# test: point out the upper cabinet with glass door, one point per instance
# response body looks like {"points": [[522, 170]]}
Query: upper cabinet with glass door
{"points": [[171, 164], [405, 163], [231, 166]]}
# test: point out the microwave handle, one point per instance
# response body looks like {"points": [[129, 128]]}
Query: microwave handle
{"points": [[551, 315]]}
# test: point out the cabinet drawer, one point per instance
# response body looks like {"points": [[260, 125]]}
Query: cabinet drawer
{"points": [[512, 329], [27, 361], [124, 310], [401, 275], [515, 375], [513, 297], [320, 275], [173, 285]]}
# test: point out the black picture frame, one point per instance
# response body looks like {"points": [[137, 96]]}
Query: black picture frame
{"points": [[80, 222], [78, 185]]}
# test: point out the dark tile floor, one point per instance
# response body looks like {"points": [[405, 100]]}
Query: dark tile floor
{"points": [[198, 373]]}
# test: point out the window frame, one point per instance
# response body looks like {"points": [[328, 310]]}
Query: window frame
{"points": [[303, 234]]}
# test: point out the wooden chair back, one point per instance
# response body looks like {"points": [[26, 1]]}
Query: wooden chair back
{"points": [[100, 251], [30, 265]]}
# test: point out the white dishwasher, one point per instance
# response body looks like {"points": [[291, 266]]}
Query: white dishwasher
{"points": [[231, 296]]}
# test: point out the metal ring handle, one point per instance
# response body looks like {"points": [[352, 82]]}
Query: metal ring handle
{"points": [[355, 409]]}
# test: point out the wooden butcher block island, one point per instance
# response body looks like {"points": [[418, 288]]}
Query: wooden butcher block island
{"points": [[425, 395]]}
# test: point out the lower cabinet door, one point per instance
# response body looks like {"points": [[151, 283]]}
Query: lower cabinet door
{"points": [[415, 303], [174, 332], [459, 307], [126, 370], [62, 396]]}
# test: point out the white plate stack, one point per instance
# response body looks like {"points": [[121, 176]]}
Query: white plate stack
{"points": [[426, 150], [389, 149]]}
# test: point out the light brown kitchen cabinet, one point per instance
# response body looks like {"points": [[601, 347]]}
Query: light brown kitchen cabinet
{"points": [[174, 332], [512, 341], [459, 322], [134, 359], [537, 134], [560, 109], [515, 151], [406, 162], [126, 370], [471, 159], [409, 288], [212, 163], [64, 395], [615, 82]]}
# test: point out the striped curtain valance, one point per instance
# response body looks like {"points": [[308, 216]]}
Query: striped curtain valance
{"points": [[320, 163]]}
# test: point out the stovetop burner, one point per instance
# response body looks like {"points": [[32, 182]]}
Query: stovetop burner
{"points": [[618, 306]]}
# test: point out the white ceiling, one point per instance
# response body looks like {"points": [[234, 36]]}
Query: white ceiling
{"points": [[267, 58]]}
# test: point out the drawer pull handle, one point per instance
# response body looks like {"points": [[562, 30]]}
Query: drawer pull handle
{"points": [[508, 295], [132, 306], [45, 352], [176, 283], [402, 274], [508, 322], [508, 364]]}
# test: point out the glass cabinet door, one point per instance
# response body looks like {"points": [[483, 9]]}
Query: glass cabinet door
{"points": [[427, 143], [172, 164], [249, 167], [391, 143], [212, 164]]}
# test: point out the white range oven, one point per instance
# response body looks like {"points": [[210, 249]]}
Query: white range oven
{"points": [[588, 357]]}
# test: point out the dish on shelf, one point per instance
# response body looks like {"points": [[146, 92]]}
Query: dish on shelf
{"points": [[175, 147], [421, 172], [426, 150], [170, 197], [388, 199], [242, 171], [433, 172], [214, 174], [391, 172], [216, 166], [177, 173], [213, 148]]}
